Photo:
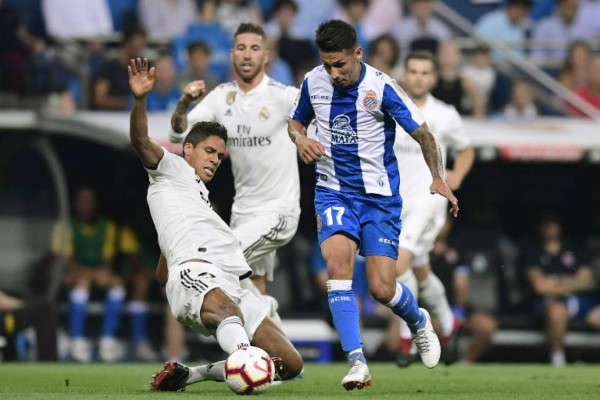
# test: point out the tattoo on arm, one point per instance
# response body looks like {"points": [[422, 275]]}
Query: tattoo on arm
{"points": [[431, 150], [179, 117]]}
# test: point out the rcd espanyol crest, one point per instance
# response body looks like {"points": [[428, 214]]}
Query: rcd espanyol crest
{"points": [[370, 101]]}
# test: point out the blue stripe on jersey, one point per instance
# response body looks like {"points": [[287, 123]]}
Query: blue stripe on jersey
{"points": [[393, 104], [389, 157], [344, 138], [304, 111]]}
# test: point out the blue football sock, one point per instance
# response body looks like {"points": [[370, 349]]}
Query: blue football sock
{"points": [[137, 319], [344, 310], [78, 300], [112, 310], [404, 304]]}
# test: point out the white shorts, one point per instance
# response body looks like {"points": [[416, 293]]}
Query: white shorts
{"points": [[420, 227], [188, 284], [260, 235]]}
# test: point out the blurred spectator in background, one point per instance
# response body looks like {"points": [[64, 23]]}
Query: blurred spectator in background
{"points": [[283, 67], [310, 16], [60, 101], [17, 314], [110, 87], [563, 281], [90, 253], [420, 24], [354, 12], [574, 70], [166, 19], [277, 68], [448, 265], [563, 26], [507, 24], [382, 16], [452, 87], [590, 91], [384, 54], [589, 12], [198, 60], [521, 106], [283, 16], [482, 73], [16, 46], [138, 254], [68, 19], [231, 13], [166, 93]]}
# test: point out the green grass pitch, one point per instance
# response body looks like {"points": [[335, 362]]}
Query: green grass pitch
{"points": [[129, 381]]}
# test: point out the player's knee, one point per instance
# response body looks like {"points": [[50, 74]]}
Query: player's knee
{"points": [[382, 292], [557, 311], [338, 269], [216, 307], [293, 365]]}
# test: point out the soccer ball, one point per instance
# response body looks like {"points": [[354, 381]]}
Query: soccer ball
{"points": [[249, 370]]}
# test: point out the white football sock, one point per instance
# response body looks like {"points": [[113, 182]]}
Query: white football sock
{"points": [[231, 334], [433, 297], [209, 372]]}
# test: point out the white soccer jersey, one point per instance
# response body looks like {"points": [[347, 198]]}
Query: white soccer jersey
{"points": [[263, 159], [187, 226], [415, 178], [357, 126]]}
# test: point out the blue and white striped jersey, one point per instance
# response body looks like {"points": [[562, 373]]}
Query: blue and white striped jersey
{"points": [[357, 126]]}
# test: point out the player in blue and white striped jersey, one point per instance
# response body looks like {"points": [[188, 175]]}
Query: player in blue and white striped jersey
{"points": [[357, 199]]}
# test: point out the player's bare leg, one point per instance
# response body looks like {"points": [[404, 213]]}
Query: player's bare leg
{"points": [[220, 313]]}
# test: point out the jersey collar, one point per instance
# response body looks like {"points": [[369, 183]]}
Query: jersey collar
{"points": [[258, 88]]}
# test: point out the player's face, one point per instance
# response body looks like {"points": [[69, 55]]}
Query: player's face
{"points": [[249, 56], [343, 66], [206, 157], [419, 78]]}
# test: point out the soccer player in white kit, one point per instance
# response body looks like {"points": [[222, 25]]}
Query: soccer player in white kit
{"points": [[423, 215], [204, 262], [254, 108]]}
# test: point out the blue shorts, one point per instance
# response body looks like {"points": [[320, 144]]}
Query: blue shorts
{"points": [[578, 305], [373, 221]]}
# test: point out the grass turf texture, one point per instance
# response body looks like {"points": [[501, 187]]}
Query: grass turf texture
{"points": [[129, 381]]}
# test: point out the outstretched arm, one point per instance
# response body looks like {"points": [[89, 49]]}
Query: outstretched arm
{"points": [[141, 82], [433, 158]]}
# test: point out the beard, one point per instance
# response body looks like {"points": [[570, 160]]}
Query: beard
{"points": [[247, 76]]}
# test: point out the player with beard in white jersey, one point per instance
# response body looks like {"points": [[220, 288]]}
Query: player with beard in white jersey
{"points": [[423, 215], [254, 108], [203, 263]]}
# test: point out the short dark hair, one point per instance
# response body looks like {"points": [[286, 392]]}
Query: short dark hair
{"points": [[421, 55], [202, 130], [386, 37], [280, 4], [335, 35], [248, 27], [199, 45], [522, 3]]}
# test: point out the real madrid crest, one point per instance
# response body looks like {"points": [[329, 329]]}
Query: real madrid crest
{"points": [[370, 101], [264, 114], [230, 98]]}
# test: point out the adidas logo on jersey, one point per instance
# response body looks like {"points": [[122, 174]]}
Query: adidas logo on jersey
{"points": [[228, 113]]}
